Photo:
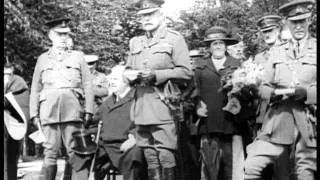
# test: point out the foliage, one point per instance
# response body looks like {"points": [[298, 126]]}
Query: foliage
{"points": [[99, 27], [236, 15]]}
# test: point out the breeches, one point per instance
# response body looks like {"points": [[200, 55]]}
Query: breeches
{"points": [[57, 136], [159, 143], [261, 153]]}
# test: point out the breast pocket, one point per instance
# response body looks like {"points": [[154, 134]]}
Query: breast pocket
{"points": [[308, 69], [283, 75], [48, 74], [73, 72], [161, 57]]}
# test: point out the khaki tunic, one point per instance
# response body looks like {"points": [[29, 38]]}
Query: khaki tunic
{"points": [[284, 68], [61, 90], [167, 54]]}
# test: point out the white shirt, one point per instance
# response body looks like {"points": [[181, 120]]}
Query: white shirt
{"points": [[123, 94], [218, 63]]}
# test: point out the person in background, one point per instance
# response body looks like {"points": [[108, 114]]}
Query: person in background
{"points": [[237, 51], [195, 56], [18, 87], [99, 80], [290, 87], [156, 57], [61, 96]]}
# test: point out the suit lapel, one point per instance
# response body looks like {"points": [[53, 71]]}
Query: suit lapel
{"points": [[122, 101]]}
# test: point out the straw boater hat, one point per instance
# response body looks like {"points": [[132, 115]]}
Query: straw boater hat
{"points": [[148, 6], [59, 25], [196, 53], [297, 9], [219, 33], [268, 22]]}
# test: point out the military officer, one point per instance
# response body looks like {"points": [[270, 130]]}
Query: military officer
{"points": [[159, 55], [99, 80], [270, 29], [61, 94], [290, 87]]}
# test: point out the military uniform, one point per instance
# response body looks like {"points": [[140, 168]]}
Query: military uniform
{"points": [[99, 81], [166, 54], [281, 166], [287, 121], [61, 93]]}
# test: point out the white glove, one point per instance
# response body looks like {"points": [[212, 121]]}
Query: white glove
{"points": [[202, 110], [128, 144]]}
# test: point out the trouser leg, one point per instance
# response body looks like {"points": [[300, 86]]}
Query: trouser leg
{"points": [[281, 168], [306, 160], [237, 158], [260, 154], [11, 156], [51, 146], [154, 169]]}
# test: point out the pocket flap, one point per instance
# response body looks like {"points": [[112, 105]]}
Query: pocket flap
{"points": [[162, 49]]}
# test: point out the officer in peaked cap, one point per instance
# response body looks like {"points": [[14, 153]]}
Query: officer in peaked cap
{"points": [[149, 6], [61, 96], [297, 9], [158, 56], [268, 22], [99, 80], [291, 65], [269, 27]]}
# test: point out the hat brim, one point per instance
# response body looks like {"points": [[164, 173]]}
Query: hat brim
{"points": [[89, 150], [228, 41], [62, 30], [268, 28], [299, 17], [147, 11]]}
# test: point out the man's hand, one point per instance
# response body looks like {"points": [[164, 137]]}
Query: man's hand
{"points": [[202, 109], [128, 144], [87, 119], [148, 77], [300, 94]]}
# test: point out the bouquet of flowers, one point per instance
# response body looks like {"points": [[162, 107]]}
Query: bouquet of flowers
{"points": [[242, 85]]}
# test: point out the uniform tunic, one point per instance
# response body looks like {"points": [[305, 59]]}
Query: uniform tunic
{"points": [[61, 89], [284, 69], [166, 54]]}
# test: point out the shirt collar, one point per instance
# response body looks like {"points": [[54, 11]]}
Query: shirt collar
{"points": [[123, 94]]}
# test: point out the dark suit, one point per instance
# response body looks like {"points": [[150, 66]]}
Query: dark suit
{"points": [[116, 127]]}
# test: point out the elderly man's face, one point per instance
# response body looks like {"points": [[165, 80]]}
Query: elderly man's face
{"points": [[59, 40], [151, 21], [7, 75], [218, 49], [236, 50], [116, 81], [299, 28], [271, 36]]}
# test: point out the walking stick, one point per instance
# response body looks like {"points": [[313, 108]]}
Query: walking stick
{"points": [[91, 173]]}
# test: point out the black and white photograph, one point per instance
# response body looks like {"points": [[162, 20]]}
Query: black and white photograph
{"points": [[160, 90]]}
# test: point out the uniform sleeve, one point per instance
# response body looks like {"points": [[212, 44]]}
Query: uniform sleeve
{"points": [[129, 60], [266, 89], [180, 57], [87, 86], [36, 88], [311, 93]]}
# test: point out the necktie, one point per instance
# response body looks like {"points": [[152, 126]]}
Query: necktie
{"points": [[297, 49]]}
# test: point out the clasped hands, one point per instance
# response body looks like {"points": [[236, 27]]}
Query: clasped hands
{"points": [[144, 77]]}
